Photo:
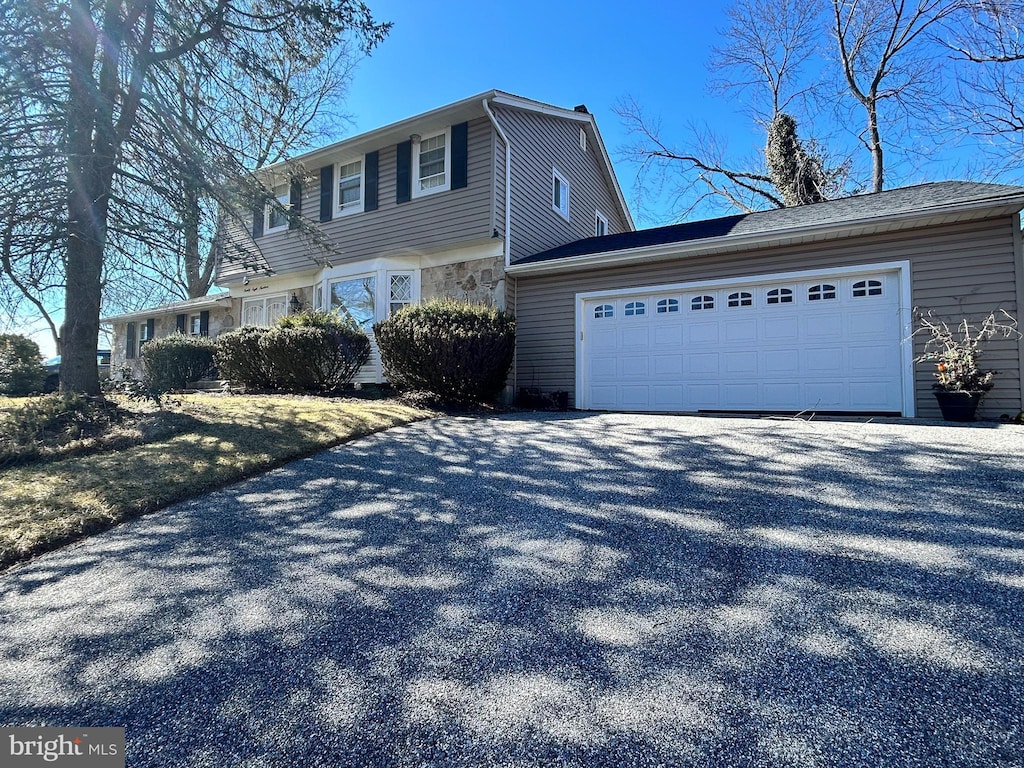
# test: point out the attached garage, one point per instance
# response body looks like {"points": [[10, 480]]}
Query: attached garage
{"points": [[798, 309], [826, 341]]}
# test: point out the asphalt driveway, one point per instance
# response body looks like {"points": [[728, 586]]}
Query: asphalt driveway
{"points": [[570, 589]]}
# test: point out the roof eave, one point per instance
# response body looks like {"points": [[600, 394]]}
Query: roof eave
{"points": [[1011, 204], [166, 309]]}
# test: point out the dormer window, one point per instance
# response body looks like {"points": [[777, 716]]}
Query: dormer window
{"points": [[600, 224], [431, 163], [274, 217], [350, 188]]}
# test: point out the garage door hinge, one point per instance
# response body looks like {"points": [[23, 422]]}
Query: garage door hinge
{"points": [[581, 335]]}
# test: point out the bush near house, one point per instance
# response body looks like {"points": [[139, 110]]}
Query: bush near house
{"points": [[175, 360], [308, 351], [21, 365], [457, 351]]}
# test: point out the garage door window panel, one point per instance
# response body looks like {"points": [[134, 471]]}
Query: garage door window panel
{"points": [[780, 296], [602, 311], [702, 302], [823, 292], [741, 299], [668, 305], [635, 309], [864, 288]]}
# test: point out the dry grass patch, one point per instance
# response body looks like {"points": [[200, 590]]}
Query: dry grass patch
{"points": [[48, 504]]}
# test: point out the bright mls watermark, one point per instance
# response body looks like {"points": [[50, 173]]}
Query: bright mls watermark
{"points": [[73, 747]]}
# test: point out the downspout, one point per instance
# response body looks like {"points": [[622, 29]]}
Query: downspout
{"points": [[508, 231], [1018, 259]]}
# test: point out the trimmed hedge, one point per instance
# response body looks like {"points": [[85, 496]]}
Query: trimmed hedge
{"points": [[175, 360], [309, 351], [21, 365], [458, 351]]}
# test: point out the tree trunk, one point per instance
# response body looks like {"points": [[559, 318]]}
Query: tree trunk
{"points": [[875, 144], [78, 371]]}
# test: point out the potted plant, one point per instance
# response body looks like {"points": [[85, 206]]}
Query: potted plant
{"points": [[960, 381]]}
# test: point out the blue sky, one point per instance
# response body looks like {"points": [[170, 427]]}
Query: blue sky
{"points": [[560, 53]]}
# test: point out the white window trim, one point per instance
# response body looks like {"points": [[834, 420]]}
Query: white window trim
{"points": [[556, 174], [416, 191], [358, 206], [600, 218], [195, 325], [285, 200], [414, 293], [583, 139]]}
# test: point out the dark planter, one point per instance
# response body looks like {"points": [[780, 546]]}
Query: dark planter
{"points": [[958, 406]]}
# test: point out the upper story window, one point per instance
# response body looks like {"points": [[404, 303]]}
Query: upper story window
{"points": [[600, 224], [350, 188], [275, 218], [780, 296], [867, 288], [634, 308], [583, 139], [668, 305], [702, 302], [821, 292], [431, 164], [604, 310], [559, 194], [741, 299]]}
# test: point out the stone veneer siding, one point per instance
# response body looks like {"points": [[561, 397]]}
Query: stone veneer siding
{"points": [[478, 281], [222, 319]]}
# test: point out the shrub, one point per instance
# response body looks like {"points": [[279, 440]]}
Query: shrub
{"points": [[460, 352], [175, 360], [21, 365], [239, 357], [316, 350], [314, 358]]}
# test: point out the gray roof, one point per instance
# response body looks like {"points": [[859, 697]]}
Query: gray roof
{"points": [[202, 302], [922, 199]]}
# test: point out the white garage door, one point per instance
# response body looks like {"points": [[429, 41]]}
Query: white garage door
{"points": [[821, 344]]}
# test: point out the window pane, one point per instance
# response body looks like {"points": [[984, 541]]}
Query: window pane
{"points": [[355, 298], [432, 162], [401, 288], [349, 178]]}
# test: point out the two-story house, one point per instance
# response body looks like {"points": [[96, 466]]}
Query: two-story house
{"points": [[437, 205]]}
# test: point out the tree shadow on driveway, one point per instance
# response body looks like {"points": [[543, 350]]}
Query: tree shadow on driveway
{"points": [[580, 589]]}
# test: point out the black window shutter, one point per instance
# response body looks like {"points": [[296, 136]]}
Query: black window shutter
{"points": [[326, 193], [204, 323], [181, 321], [129, 347], [150, 328], [460, 155], [257, 222], [295, 201], [403, 173], [370, 166]]}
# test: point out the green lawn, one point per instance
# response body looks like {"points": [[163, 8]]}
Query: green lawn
{"points": [[227, 438]]}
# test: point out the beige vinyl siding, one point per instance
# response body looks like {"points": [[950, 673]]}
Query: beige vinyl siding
{"points": [[434, 221], [540, 143], [956, 270]]}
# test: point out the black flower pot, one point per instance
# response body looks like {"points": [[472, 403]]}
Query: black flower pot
{"points": [[958, 406]]}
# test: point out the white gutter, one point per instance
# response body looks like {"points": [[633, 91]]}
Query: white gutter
{"points": [[508, 181], [752, 240]]}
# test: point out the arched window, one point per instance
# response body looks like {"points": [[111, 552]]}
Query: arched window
{"points": [[604, 310], [820, 292], [741, 299], [780, 296], [702, 302], [668, 305], [635, 308], [867, 288]]}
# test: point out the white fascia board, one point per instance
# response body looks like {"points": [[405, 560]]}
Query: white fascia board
{"points": [[378, 137], [173, 308], [755, 239]]}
